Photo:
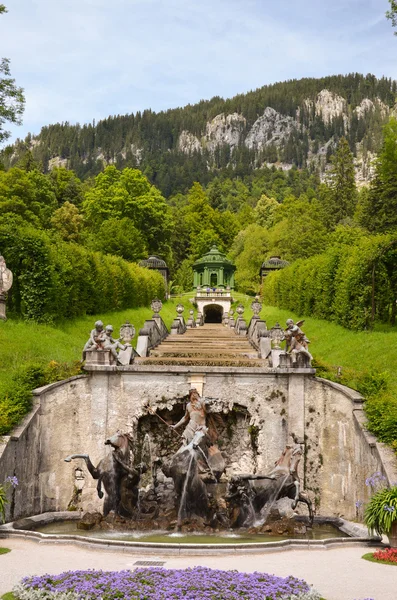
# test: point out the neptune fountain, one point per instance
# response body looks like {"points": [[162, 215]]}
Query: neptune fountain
{"points": [[203, 498]]}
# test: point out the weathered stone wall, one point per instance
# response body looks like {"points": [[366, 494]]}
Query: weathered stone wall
{"points": [[261, 410]]}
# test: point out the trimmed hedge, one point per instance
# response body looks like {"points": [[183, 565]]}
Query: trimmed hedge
{"points": [[54, 279], [338, 284]]}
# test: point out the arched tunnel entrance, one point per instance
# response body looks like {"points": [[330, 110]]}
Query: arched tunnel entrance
{"points": [[213, 313]]}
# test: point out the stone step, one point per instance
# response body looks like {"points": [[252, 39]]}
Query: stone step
{"points": [[180, 339], [207, 344], [207, 361], [192, 353]]}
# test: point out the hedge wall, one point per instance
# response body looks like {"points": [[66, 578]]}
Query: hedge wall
{"points": [[55, 279], [350, 285]]}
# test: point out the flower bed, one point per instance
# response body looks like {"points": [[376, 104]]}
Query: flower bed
{"points": [[199, 583], [388, 556]]}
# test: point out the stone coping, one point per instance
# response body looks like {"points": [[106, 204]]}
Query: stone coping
{"points": [[142, 368], [354, 530], [53, 386], [353, 395]]}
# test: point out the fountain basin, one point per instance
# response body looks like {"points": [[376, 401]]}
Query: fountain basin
{"points": [[61, 527]]}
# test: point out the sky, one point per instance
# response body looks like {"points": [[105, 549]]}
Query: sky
{"points": [[80, 60]]}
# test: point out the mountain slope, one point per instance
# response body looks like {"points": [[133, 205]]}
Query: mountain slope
{"points": [[293, 123]]}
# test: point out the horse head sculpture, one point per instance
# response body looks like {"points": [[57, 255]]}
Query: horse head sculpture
{"points": [[117, 474]]}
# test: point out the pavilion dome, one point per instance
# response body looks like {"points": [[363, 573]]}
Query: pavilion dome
{"points": [[153, 262], [214, 256], [275, 262]]}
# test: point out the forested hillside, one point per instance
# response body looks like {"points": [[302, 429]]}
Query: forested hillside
{"points": [[297, 122]]}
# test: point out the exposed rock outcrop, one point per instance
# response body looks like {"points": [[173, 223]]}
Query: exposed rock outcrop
{"points": [[270, 128], [188, 143], [224, 129]]}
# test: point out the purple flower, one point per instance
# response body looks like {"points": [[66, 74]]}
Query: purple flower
{"points": [[12, 480], [359, 503], [199, 583]]}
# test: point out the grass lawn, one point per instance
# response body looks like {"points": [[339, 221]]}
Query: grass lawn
{"points": [[4, 550]]}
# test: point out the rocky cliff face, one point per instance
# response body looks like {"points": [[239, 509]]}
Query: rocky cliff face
{"points": [[270, 128], [275, 129]]}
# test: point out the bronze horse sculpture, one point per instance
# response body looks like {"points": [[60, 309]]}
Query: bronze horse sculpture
{"points": [[114, 472], [282, 482]]}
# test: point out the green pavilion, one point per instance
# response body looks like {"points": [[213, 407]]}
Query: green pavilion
{"points": [[214, 270]]}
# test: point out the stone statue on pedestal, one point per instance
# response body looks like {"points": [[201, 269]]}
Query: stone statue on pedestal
{"points": [[296, 340], [5, 285]]}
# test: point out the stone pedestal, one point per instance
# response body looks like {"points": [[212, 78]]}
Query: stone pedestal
{"points": [[284, 360], [3, 308], [99, 357], [276, 357]]}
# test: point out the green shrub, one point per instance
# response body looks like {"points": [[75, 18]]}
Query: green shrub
{"points": [[338, 284], [54, 279]]}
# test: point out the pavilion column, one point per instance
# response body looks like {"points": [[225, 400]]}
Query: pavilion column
{"points": [[206, 277], [220, 276]]}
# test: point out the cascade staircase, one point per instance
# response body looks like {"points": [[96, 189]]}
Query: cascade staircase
{"points": [[209, 345]]}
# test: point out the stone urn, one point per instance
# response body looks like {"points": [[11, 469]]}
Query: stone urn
{"points": [[392, 535]]}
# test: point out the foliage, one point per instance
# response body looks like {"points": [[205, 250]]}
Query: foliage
{"points": [[381, 412], [68, 222], [392, 13], [28, 195], [12, 100], [248, 251], [10, 483], [379, 210], [265, 211], [340, 197], [381, 511], [4, 550], [166, 584], [128, 193], [120, 237], [55, 279], [343, 284]]}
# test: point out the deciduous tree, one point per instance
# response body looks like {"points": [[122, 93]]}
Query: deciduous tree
{"points": [[12, 100]]}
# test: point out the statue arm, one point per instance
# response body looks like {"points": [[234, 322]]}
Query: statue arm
{"points": [[183, 421]]}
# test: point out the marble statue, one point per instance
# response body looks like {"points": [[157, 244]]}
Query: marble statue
{"points": [[96, 339], [5, 286], [194, 417], [296, 340], [110, 343]]}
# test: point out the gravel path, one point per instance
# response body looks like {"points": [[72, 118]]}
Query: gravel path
{"points": [[339, 574]]}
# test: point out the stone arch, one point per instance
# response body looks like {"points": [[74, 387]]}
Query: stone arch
{"points": [[213, 313]]}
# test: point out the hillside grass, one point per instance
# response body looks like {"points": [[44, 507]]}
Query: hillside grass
{"points": [[22, 342]]}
